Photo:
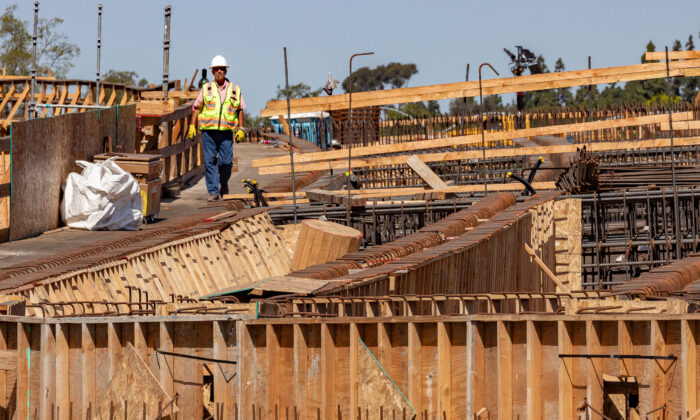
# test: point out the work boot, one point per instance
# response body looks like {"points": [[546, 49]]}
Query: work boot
{"points": [[224, 189], [214, 197]]}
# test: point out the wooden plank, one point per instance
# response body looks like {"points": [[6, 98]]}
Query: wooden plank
{"points": [[48, 372], [63, 371], [544, 268], [475, 139], [491, 153], [680, 125], [425, 173], [672, 55], [444, 360], [534, 371], [594, 371], [689, 364], [490, 87], [414, 367]]}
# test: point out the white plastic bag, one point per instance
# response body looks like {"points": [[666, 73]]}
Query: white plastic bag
{"points": [[104, 196]]}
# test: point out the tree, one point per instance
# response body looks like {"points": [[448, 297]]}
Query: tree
{"points": [[125, 77], [54, 52], [300, 90], [394, 75]]}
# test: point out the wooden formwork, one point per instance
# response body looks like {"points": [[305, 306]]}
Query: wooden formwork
{"points": [[189, 264], [527, 366]]}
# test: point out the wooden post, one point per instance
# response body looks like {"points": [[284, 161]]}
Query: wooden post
{"points": [[595, 366], [166, 363], [566, 371], [689, 365], [89, 361], [414, 367], [47, 399], [62, 371], [354, 368], [23, 334], [505, 371], [273, 361], [658, 348], [534, 370], [475, 368], [328, 371], [300, 369], [444, 359]]}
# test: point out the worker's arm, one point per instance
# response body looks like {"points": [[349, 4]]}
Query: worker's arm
{"points": [[195, 115], [192, 130], [241, 122]]}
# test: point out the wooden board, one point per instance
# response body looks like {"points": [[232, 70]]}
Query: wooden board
{"points": [[134, 383], [475, 139], [425, 173], [491, 153], [44, 153], [489, 87], [672, 55]]}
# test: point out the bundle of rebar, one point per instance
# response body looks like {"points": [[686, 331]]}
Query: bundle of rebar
{"points": [[582, 174], [632, 176], [665, 280], [428, 237]]}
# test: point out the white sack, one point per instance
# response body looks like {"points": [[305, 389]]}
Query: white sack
{"points": [[104, 196]]}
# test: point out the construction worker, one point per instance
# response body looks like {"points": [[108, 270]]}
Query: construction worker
{"points": [[218, 110]]}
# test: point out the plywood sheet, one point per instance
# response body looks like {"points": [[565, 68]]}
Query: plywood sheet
{"points": [[376, 390], [44, 152], [135, 384]]}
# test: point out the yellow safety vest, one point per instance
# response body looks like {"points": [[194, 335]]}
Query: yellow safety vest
{"points": [[214, 115]]}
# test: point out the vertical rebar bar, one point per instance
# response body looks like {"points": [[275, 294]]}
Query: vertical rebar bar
{"points": [[481, 122], [350, 128], [673, 162], [166, 51], [99, 50], [291, 147], [32, 101]]}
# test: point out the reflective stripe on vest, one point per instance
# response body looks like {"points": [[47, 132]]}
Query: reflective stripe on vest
{"points": [[218, 116]]}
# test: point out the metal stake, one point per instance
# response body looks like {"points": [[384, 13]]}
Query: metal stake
{"points": [[99, 50], [289, 129], [481, 122], [349, 172], [676, 213], [32, 102]]}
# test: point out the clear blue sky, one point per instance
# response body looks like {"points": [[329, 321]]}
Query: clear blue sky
{"points": [[440, 37]]}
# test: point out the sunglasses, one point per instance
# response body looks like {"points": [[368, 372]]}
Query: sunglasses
{"points": [[217, 69]]}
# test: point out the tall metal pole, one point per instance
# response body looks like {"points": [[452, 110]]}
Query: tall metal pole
{"points": [[349, 172], [99, 51], [590, 95], [481, 122], [289, 129], [166, 52], [32, 101], [676, 214]]}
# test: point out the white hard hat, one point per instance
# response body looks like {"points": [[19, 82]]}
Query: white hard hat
{"points": [[218, 61]]}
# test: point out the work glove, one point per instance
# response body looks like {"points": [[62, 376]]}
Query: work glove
{"points": [[191, 132], [240, 135]]}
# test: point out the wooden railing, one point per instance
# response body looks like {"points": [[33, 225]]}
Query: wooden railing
{"points": [[15, 97]]}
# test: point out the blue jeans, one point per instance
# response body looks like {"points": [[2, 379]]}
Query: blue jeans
{"points": [[216, 142]]}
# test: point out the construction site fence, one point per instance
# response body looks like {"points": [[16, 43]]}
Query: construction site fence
{"points": [[229, 367]]}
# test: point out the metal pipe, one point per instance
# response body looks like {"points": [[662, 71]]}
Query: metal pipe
{"points": [[32, 101], [289, 129], [481, 122], [677, 223], [99, 52], [76, 106], [349, 172]]}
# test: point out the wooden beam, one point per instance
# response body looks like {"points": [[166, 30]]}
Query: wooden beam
{"points": [[505, 370], [474, 139], [566, 371], [546, 269], [492, 153], [425, 173], [490, 87], [672, 55], [534, 371]]}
